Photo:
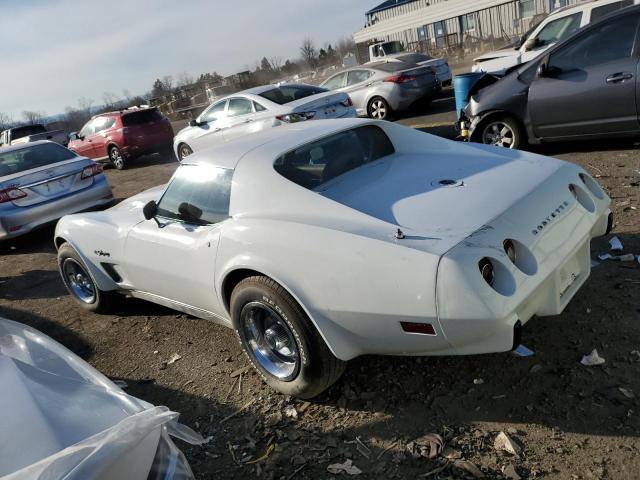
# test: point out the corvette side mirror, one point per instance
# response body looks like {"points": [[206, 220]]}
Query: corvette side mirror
{"points": [[150, 210], [193, 123]]}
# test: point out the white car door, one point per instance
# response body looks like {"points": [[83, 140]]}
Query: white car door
{"points": [[173, 256], [243, 119], [211, 125]]}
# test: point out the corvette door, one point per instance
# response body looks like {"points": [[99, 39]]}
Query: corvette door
{"points": [[589, 86], [174, 257]]}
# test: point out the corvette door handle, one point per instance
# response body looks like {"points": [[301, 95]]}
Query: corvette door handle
{"points": [[619, 77]]}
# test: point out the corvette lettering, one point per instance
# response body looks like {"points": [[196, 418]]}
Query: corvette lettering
{"points": [[556, 213]]}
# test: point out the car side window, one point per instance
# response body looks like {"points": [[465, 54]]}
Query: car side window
{"points": [[357, 76], [599, 12], [558, 29], [602, 44], [239, 106], [215, 112], [197, 194], [104, 123], [335, 82], [89, 128], [258, 107]]}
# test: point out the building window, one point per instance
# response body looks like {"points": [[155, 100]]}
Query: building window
{"points": [[440, 31], [468, 22], [554, 4], [527, 8]]}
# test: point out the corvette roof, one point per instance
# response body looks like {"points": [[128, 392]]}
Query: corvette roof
{"points": [[276, 141]]}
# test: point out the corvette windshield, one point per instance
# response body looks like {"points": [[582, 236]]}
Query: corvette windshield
{"points": [[317, 163], [197, 194]]}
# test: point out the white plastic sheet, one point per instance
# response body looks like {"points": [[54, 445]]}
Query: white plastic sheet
{"points": [[62, 419]]}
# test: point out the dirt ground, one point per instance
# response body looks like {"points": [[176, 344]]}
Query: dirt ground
{"points": [[567, 421]]}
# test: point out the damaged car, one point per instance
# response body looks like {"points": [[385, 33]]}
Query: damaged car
{"points": [[319, 242], [583, 88]]}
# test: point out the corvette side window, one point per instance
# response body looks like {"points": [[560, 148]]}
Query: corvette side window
{"points": [[198, 195]]}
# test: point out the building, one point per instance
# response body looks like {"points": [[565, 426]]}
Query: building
{"points": [[467, 26]]}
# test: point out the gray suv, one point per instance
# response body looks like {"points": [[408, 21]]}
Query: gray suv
{"points": [[584, 87]]}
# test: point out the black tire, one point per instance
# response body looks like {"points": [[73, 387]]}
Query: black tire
{"points": [[317, 368], [378, 109], [102, 301], [184, 151], [116, 158], [500, 131]]}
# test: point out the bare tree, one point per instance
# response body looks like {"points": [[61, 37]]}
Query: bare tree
{"points": [[31, 116], [184, 79], [6, 121], [167, 83], [110, 100], [345, 45], [85, 104], [308, 52], [276, 63]]}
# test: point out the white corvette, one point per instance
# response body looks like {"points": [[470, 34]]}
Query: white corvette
{"points": [[322, 241]]}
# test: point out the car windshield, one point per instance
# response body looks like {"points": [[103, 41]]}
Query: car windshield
{"points": [[20, 132], [316, 163], [392, 47], [291, 93], [16, 161], [141, 117]]}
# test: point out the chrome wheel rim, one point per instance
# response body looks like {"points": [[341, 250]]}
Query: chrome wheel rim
{"points": [[270, 340], [78, 281], [378, 109], [499, 134], [116, 158], [185, 151]]}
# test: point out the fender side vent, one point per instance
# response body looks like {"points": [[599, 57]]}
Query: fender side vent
{"points": [[111, 271]]}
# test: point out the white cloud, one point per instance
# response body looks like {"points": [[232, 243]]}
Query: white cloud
{"points": [[55, 52]]}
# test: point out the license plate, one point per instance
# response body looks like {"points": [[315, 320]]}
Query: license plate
{"points": [[53, 187], [569, 274]]}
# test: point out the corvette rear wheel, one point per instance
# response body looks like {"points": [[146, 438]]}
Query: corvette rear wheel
{"points": [[502, 132], [280, 341], [79, 283]]}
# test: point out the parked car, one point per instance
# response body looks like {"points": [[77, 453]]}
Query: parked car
{"points": [[118, 137], [63, 420], [259, 108], [559, 25], [583, 88], [393, 51], [323, 241], [42, 181], [32, 133], [378, 89]]}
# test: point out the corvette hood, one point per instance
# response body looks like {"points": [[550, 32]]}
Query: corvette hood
{"points": [[447, 197]]}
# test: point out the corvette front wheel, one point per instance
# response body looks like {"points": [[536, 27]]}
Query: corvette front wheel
{"points": [[80, 285], [280, 341]]}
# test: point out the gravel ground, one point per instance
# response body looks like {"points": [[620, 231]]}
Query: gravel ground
{"points": [[562, 419]]}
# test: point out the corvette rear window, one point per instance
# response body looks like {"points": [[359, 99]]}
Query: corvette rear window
{"points": [[317, 163], [35, 156], [290, 93]]}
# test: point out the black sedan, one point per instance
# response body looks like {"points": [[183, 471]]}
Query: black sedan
{"points": [[584, 87]]}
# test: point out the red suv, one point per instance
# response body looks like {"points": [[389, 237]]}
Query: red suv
{"points": [[117, 137]]}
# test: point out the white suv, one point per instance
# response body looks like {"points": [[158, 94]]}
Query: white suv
{"points": [[557, 26]]}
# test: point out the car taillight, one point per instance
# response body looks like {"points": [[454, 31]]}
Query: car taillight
{"points": [[296, 117], [347, 102], [400, 78], [11, 193], [91, 171], [486, 270]]}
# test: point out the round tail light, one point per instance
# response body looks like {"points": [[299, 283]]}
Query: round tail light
{"points": [[510, 250], [486, 270]]}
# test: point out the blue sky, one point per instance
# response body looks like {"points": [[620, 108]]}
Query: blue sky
{"points": [[56, 51]]}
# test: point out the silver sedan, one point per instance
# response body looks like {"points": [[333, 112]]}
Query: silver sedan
{"points": [[377, 89], [43, 181]]}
